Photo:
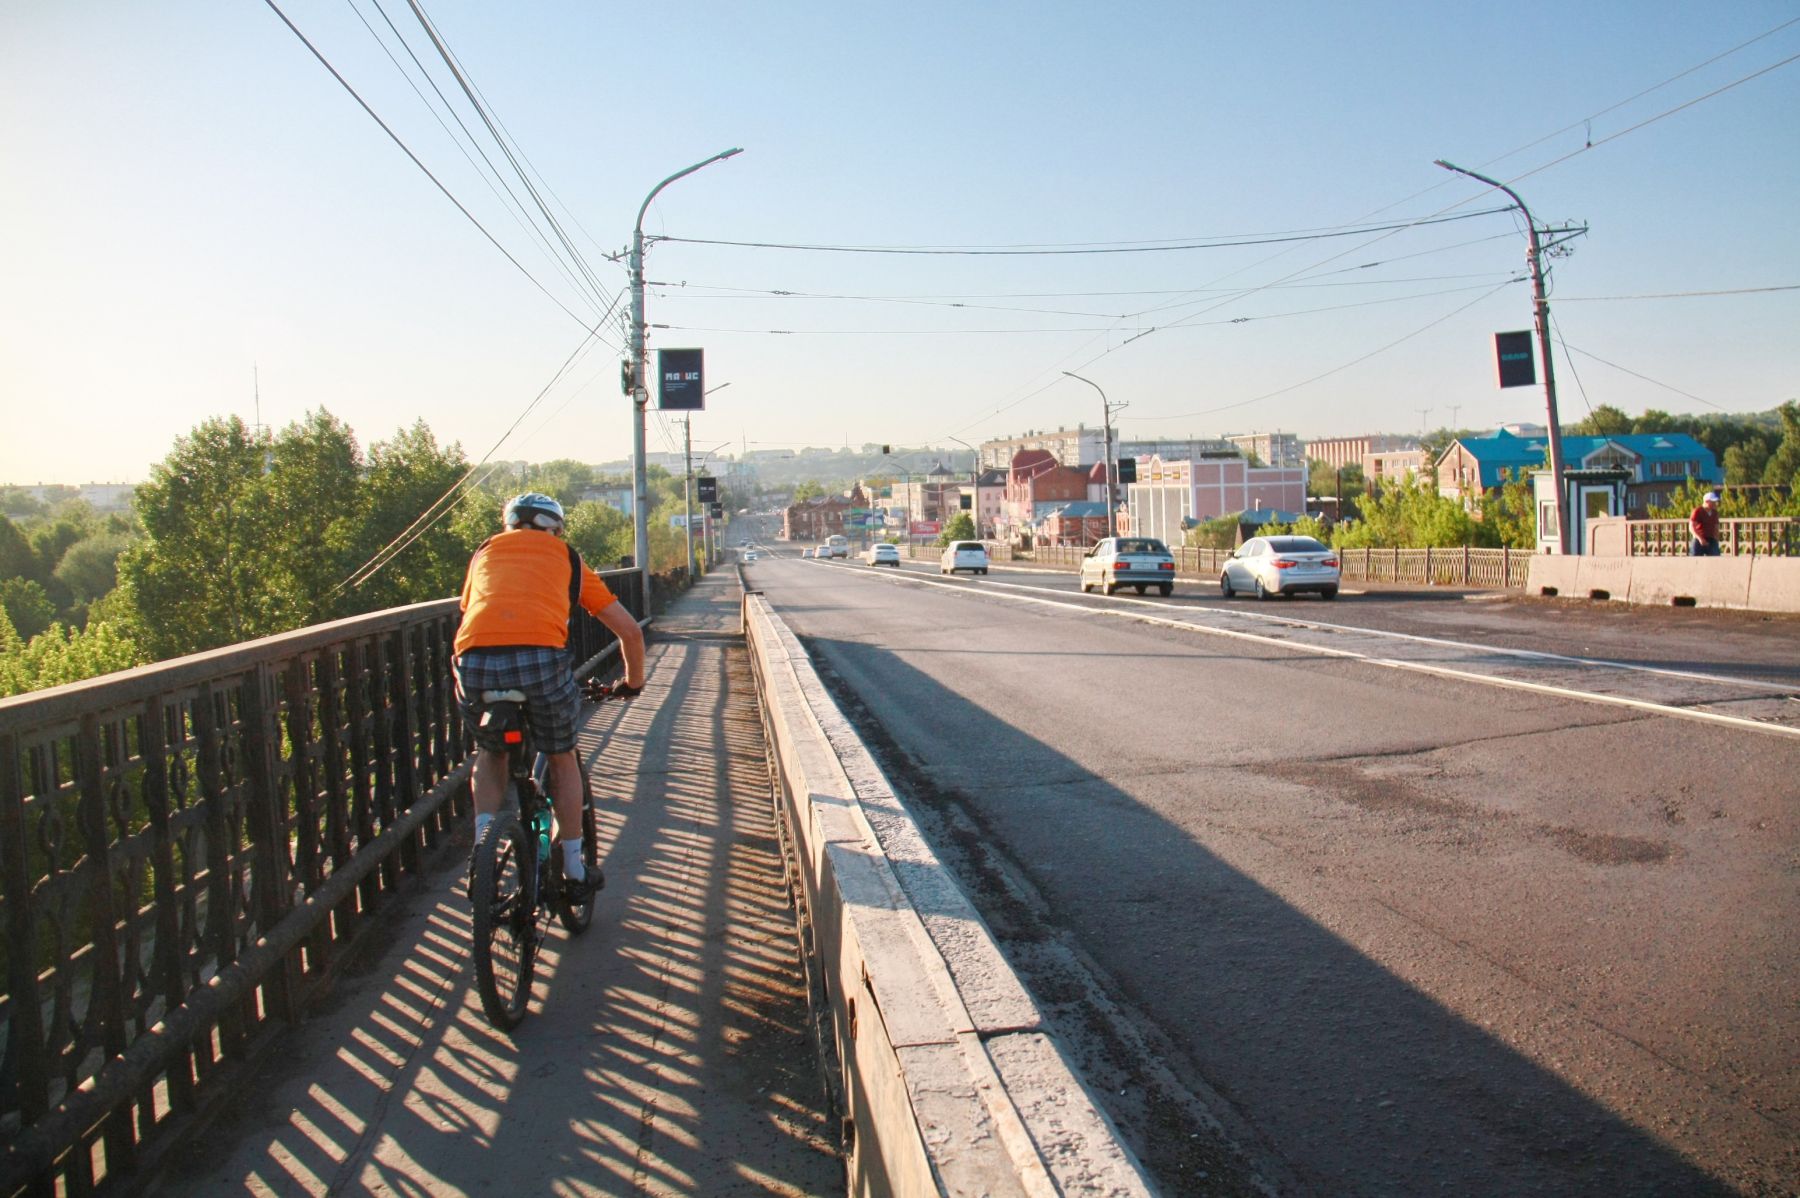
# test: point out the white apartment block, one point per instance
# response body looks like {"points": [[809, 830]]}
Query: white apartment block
{"points": [[1274, 449]]}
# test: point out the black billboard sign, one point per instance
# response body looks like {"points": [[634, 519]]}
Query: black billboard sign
{"points": [[718, 511], [709, 488], [1127, 470], [681, 380], [1512, 354]]}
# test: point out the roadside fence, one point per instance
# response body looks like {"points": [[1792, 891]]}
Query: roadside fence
{"points": [[184, 849]]}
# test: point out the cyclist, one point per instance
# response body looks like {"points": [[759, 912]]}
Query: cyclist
{"points": [[517, 600]]}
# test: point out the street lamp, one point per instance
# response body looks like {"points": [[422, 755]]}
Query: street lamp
{"points": [[1534, 257], [908, 473], [636, 370], [1107, 408], [974, 485], [687, 483]]}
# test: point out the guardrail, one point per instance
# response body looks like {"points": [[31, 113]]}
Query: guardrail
{"points": [[183, 849], [1775, 536]]}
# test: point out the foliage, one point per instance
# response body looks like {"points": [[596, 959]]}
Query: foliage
{"points": [[602, 534], [1603, 421], [1746, 461], [1783, 468], [16, 558], [810, 489], [1324, 479], [61, 655], [1218, 533], [28, 609], [1509, 514], [1410, 513], [960, 527], [1305, 526], [408, 474]]}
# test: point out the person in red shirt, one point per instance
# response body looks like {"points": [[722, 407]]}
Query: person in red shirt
{"points": [[1704, 526], [514, 636]]}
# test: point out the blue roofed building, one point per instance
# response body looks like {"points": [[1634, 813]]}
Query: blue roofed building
{"points": [[1657, 464]]}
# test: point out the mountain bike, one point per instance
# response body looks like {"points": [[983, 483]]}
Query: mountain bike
{"points": [[515, 876]]}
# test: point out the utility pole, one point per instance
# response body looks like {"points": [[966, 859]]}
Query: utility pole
{"points": [[1106, 411], [1534, 257], [687, 492], [636, 372], [1423, 413]]}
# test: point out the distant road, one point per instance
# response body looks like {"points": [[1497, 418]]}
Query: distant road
{"points": [[1414, 892]]}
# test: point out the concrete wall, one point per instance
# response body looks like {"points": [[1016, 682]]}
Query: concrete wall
{"points": [[1752, 583], [952, 1083]]}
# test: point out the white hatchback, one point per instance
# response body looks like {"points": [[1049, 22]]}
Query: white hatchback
{"points": [[964, 555], [883, 554]]}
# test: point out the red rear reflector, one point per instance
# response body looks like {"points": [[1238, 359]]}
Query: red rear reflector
{"points": [[513, 736]]}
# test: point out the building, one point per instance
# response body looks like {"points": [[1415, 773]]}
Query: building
{"points": [[990, 501], [1341, 453], [1391, 466], [1170, 495], [1036, 485], [1079, 446], [1656, 464], [1273, 449], [1079, 524], [812, 520]]}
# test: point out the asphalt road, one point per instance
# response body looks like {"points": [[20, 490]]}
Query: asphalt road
{"points": [[1404, 894]]}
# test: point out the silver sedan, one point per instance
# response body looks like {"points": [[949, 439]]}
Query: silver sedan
{"points": [[1281, 566]]}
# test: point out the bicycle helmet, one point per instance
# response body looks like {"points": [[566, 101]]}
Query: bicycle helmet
{"points": [[533, 510]]}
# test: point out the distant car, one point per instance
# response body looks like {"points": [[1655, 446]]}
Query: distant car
{"points": [[834, 546], [1281, 566], [806, 553], [821, 551], [882, 554], [749, 555], [964, 555], [1137, 562]]}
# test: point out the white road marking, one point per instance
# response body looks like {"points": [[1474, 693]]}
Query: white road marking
{"points": [[1687, 713]]}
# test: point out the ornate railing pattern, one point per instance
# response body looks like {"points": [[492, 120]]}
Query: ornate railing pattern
{"points": [[1775, 536], [182, 849]]}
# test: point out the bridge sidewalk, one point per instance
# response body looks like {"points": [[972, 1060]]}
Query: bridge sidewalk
{"points": [[667, 1049]]}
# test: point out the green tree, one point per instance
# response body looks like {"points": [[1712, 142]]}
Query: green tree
{"points": [[407, 477], [17, 501], [304, 526], [1410, 514], [810, 489], [61, 655], [16, 557], [1603, 421], [28, 609], [602, 533], [1218, 533], [564, 480], [195, 580], [1746, 461], [90, 567], [1509, 514], [1783, 466], [1323, 478], [960, 527]]}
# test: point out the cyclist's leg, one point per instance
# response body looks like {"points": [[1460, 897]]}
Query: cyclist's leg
{"points": [[488, 781], [565, 792], [554, 708]]}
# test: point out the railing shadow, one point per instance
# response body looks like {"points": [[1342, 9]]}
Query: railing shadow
{"points": [[1361, 1082]]}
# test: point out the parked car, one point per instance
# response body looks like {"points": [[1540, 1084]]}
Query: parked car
{"points": [[1139, 562], [806, 552], [964, 555], [883, 554], [1281, 566]]}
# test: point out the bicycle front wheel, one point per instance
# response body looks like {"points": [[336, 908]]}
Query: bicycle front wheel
{"points": [[504, 898]]}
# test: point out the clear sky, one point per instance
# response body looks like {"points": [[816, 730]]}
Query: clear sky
{"points": [[189, 198]]}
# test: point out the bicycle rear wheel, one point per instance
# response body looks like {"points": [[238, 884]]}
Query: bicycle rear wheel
{"points": [[504, 898], [576, 917]]}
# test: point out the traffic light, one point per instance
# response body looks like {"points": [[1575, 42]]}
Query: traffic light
{"points": [[1127, 470], [709, 488], [886, 449]]}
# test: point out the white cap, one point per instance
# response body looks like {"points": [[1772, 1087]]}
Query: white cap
{"points": [[1711, 497]]}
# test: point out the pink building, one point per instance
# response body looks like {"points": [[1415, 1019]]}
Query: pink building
{"points": [[1169, 493]]}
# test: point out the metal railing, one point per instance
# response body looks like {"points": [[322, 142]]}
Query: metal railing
{"points": [[183, 849], [1773, 536], [1457, 566]]}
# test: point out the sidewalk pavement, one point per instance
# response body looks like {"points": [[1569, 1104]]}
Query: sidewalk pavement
{"points": [[667, 1050]]}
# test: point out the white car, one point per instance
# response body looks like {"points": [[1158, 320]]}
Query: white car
{"points": [[1281, 566], [806, 552], [882, 554], [749, 556], [964, 555]]}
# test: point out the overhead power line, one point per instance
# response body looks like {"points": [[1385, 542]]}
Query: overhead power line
{"points": [[1087, 247]]}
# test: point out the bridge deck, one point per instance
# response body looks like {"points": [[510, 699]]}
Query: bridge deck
{"points": [[667, 1050]]}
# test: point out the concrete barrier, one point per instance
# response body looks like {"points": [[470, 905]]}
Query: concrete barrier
{"points": [[1691, 581], [1552, 574], [1774, 584], [951, 1084], [1601, 577]]}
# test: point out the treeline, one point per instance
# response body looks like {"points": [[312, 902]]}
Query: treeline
{"points": [[241, 533]]}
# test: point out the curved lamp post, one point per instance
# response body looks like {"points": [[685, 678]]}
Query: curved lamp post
{"points": [[1106, 411], [640, 394]]}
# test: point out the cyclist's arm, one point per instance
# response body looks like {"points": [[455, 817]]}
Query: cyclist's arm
{"points": [[624, 625]]}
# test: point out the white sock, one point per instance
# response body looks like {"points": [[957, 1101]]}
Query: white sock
{"points": [[481, 825], [573, 869]]}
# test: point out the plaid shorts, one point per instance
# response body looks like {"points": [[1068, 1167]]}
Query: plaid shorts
{"points": [[546, 677]]}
